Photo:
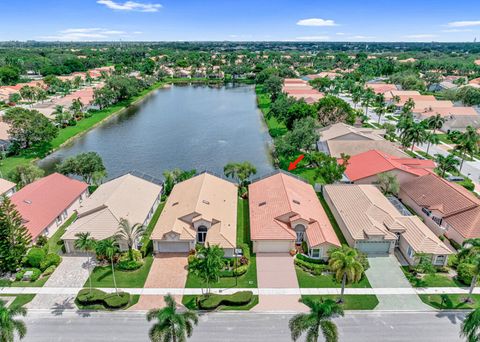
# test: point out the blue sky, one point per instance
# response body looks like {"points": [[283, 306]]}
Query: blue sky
{"points": [[166, 20]]}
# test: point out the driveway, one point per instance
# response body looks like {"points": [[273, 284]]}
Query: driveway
{"points": [[276, 270], [385, 272], [169, 270], [72, 272]]}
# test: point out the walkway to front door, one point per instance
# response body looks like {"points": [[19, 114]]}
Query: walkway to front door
{"points": [[276, 270]]}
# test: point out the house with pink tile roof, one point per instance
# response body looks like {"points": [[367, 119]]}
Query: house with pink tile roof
{"points": [[381, 88], [365, 167], [48, 202], [284, 212]]}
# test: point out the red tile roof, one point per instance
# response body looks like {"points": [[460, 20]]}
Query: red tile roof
{"points": [[283, 195], [373, 162], [42, 201]]}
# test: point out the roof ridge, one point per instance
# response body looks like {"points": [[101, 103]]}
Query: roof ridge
{"points": [[457, 190]]}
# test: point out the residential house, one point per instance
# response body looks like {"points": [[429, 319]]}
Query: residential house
{"points": [[285, 212], [342, 138], [374, 226], [447, 208], [48, 202], [456, 118], [199, 210], [129, 197], [365, 167], [381, 88], [7, 188]]}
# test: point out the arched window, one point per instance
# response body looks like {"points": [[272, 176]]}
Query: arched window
{"points": [[201, 234]]}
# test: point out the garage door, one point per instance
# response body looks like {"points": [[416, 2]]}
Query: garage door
{"points": [[373, 247], [172, 247], [272, 246]]}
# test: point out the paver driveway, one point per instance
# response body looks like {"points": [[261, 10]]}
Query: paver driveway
{"points": [[385, 272], [72, 272], [276, 270], [169, 270]]}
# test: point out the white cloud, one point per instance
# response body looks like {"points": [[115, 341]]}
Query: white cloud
{"points": [[130, 6], [362, 37], [316, 22], [420, 36], [457, 30], [340, 33], [80, 34], [313, 38], [464, 23]]}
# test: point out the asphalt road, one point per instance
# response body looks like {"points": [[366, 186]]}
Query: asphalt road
{"points": [[360, 326]]}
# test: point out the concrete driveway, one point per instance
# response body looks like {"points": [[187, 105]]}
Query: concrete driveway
{"points": [[169, 270], [385, 272], [72, 272], [276, 270]]}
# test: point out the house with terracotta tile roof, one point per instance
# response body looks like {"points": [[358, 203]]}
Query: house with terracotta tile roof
{"points": [[456, 118], [300, 89], [342, 138], [48, 202], [374, 226], [127, 197], [447, 208], [365, 167], [381, 88], [284, 212], [202, 210]]}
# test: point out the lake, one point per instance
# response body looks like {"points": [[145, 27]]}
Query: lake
{"points": [[188, 127]]}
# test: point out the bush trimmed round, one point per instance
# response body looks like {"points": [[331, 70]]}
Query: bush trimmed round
{"points": [[117, 300], [212, 301], [89, 297], [35, 256], [51, 259], [129, 265]]}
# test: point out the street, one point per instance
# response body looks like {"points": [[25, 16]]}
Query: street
{"points": [[132, 326]]}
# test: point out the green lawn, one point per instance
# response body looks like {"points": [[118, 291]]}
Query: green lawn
{"points": [[333, 222], [38, 283], [20, 299], [54, 243], [451, 301], [432, 280], [69, 132], [444, 138], [307, 280], [102, 276], [189, 302], [249, 279], [351, 302], [275, 128]]}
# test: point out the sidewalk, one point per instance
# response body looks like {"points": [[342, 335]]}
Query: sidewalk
{"points": [[256, 291]]}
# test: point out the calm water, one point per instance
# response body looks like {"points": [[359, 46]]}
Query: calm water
{"points": [[189, 127]]}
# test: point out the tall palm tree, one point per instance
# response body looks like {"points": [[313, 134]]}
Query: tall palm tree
{"points": [[86, 243], [240, 171], [435, 122], [208, 265], [367, 98], [130, 234], [414, 135], [432, 139], [345, 263], [470, 248], [318, 319], [467, 143], [109, 248], [9, 325], [471, 326], [476, 273], [446, 163], [170, 325]]}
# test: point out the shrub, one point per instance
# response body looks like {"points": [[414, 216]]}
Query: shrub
{"points": [[465, 273], [305, 247], [316, 269], [129, 265], [212, 301], [117, 300], [51, 259], [243, 260], [41, 241], [136, 255], [35, 256], [246, 250], [19, 275], [226, 273], [191, 258], [241, 270], [36, 273], [455, 244], [87, 297], [50, 269], [306, 258]]}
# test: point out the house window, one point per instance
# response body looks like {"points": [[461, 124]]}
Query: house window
{"points": [[426, 211], [439, 260], [64, 215], [201, 234], [437, 220], [59, 219], [410, 252], [315, 253]]}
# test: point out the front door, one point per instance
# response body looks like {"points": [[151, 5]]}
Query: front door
{"points": [[299, 238]]}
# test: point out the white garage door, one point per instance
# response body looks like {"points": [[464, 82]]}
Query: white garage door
{"points": [[373, 247], [272, 246], [172, 247]]}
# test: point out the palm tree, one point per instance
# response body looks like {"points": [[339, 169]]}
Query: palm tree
{"points": [[356, 97], [446, 163], [470, 248], [318, 319], [130, 234], [86, 243], [432, 139], [467, 143], [171, 326], [9, 325], [241, 171], [109, 248], [208, 265], [435, 122], [476, 272], [414, 135], [367, 98], [471, 326], [345, 263]]}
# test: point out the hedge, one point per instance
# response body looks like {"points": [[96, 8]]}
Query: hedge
{"points": [[129, 265], [108, 300], [212, 301], [305, 258], [309, 267], [35, 256], [49, 270], [51, 259]]}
